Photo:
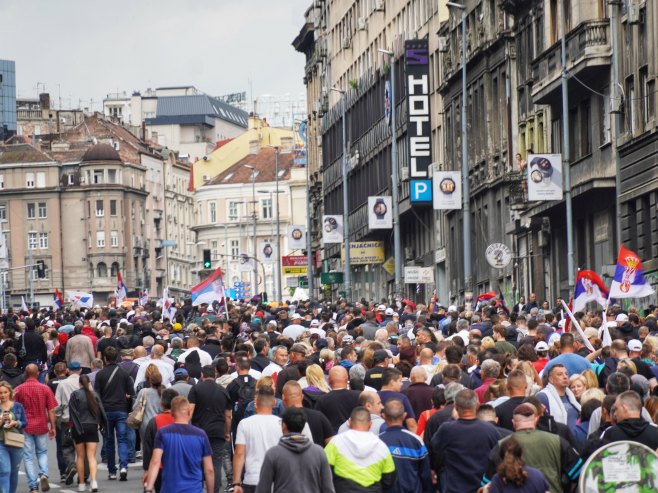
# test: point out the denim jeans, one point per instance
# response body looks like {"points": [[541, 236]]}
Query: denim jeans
{"points": [[10, 463], [35, 444], [116, 424]]}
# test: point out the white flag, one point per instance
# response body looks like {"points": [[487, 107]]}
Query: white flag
{"points": [[80, 299]]}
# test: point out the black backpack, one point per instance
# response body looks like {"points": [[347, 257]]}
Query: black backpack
{"points": [[193, 364], [246, 393]]}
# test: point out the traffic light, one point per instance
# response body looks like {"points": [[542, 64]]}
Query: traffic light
{"points": [[41, 269], [207, 262]]}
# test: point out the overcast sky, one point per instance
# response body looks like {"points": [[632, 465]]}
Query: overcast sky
{"points": [[93, 47]]}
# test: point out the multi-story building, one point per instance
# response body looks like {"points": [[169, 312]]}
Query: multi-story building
{"points": [[341, 40], [91, 203], [7, 99], [37, 117], [181, 118], [228, 204]]}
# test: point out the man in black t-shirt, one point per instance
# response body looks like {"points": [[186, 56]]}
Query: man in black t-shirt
{"points": [[211, 411], [106, 341], [516, 386], [374, 375], [338, 404], [317, 423]]}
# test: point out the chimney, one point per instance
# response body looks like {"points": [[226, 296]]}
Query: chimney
{"points": [[44, 101]]}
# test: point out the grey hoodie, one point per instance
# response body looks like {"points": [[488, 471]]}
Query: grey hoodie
{"points": [[295, 465]]}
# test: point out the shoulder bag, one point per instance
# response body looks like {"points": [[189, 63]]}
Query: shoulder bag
{"points": [[136, 416]]}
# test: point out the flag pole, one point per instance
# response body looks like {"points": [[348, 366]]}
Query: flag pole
{"points": [[604, 332], [575, 323]]}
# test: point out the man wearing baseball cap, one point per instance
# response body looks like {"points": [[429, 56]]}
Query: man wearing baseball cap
{"points": [[541, 348], [295, 329], [635, 354], [374, 375]]}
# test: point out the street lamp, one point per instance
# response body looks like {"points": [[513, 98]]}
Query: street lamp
{"points": [[253, 200], [395, 194], [346, 210], [278, 223], [278, 237], [466, 195]]}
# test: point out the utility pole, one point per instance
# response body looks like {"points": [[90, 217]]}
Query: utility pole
{"points": [[615, 110], [30, 272], [566, 151]]}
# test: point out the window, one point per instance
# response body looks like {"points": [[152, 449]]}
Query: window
{"points": [[31, 210], [98, 176], [114, 238], [71, 181], [2, 182], [630, 105], [41, 179], [43, 210], [266, 208], [233, 211], [43, 241], [100, 210], [3, 212], [100, 239], [212, 212], [115, 269], [32, 241], [29, 180], [651, 103], [235, 248], [101, 269], [213, 250], [113, 207], [111, 176]]}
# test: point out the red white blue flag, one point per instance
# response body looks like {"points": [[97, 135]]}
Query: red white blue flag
{"points": [[122, 290], [58, 299], [589, 288], [209, 290], [629, 280]]}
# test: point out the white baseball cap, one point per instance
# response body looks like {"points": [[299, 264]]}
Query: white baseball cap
{"points": [[389, 311], [541, 346], [381, 308], [622, 317], [635, 345]]}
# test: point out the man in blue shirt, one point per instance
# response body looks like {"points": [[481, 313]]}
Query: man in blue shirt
{"points": [[408, 450], [182, 450], [574, 363]]}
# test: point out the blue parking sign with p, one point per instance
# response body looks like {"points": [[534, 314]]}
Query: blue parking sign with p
{"points": [[420, 191]]}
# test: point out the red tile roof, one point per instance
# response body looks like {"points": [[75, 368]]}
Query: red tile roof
{"points": [[264, 164]]}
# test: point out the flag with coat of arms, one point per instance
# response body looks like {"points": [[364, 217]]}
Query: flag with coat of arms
{"points": [[629, 279]]}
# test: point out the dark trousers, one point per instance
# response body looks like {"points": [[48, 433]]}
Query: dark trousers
{"points": [[66, 445], [218, 446]]}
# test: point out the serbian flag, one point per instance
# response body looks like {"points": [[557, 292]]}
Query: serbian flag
{"points": [[122, 290], [209, 290], [167, 303], [80, 299], [58, 300], [629, 281], [484, 297], [589, 288], [501, 300]]}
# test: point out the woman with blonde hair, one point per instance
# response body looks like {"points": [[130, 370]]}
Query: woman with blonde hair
{"points": [[14, 420], [316, 386], [534, 381], [591, 379], [578, 385]]}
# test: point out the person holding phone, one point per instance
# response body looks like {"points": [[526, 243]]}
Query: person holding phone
{"points": [[13, 421]]}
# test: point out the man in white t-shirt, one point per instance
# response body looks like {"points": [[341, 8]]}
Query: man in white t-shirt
{"points": [[279, 360], [255, 436], [295, 329], [193, 345]]}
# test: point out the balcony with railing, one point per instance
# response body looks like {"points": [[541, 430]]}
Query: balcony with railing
{"points": [[588, 54], [517, 190]]}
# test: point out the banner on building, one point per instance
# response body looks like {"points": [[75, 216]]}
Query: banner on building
{"points": [[364, 252], [296, 237], [447, 190], [332, 229], [419, 131], [267, 252], [544, 177], [380, 213], [245, 263]]}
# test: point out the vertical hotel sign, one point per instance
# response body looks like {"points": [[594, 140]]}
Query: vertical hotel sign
{"points": [[418, 127]]}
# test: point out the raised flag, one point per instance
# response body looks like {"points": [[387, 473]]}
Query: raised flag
{"points": [[629, 280], [143, 297], [589, 288], [80, 299], [23, 305], [58, 299], [122, 290], [167, 303], [209, 290]]}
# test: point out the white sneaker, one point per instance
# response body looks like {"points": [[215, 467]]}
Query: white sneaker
{"points": [[94, 486], [82, 487]]}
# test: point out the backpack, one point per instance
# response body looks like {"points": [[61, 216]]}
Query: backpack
{"points": [[193, 364], [246, 393]]}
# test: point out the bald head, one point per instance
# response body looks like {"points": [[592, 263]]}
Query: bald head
{"points": [[338, 377], [157, 352], [394, 412], [418, 374], [31, 371], [426, 356], [139, 352], [291, 394]]}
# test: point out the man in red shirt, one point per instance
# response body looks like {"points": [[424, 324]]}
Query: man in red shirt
{"points": [[489, 369], [39, 403], [541, 348]]}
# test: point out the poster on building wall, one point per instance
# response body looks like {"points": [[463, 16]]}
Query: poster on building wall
{"points": [[419, 130], [380, 213], [332, 229], [267, 252], [447, 193], [364, 252], [544, 177], [245, 263], [296, 237]]}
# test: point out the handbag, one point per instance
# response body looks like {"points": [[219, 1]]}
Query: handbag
{"points": [[136, 416], [14, 439]]}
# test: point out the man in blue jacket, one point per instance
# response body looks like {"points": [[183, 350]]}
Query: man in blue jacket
{"points": [[408, 450]]}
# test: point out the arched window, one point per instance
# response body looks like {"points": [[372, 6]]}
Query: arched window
{"points": [[115, 269], [101, 269]]}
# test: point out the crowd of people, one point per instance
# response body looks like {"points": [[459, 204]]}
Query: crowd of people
{"points": [[324, 397]]}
